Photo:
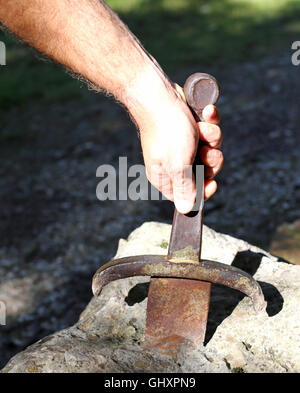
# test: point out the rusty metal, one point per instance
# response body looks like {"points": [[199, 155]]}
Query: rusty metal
{"points": [[201, 89], [160, 266], [183, 306], [173, 320], [179, 292]]}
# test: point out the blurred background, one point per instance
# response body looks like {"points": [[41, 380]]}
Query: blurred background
{"points": [[54, 134]]}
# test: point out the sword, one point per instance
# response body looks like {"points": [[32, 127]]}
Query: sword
{"points": [[179, 292], [177, 309]]}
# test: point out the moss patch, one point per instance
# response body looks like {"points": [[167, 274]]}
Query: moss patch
{"points": [[286, 242]]}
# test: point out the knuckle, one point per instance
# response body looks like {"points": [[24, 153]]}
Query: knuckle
{"points": [[219, 155], [215, 155], [154, 172], [213, 132], [218, 132], [176, 170]]}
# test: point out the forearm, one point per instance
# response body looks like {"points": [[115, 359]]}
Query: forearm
{"points": [[89, 38]]}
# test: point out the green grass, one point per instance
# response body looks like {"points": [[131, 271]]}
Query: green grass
{"points": [[28, 78], [178, 33]]}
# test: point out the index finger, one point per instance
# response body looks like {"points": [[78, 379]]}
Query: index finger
{"points": [[211, 115]]}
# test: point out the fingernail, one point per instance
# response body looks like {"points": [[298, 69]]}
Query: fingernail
{"points": [[210, 109], [184, 206]]}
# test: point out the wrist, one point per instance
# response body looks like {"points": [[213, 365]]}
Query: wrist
{"points": [[148, 95]]}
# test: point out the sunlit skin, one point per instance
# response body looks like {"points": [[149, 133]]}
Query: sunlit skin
{"points": [[89, 38], [174, 146]]}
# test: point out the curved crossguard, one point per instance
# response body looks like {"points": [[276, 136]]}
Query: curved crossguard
{"points": [[159, 266]]}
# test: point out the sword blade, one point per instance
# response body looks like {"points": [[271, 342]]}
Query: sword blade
{"points": [[177, 309]]}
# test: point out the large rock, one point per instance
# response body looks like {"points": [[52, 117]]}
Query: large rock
{"points": [[109, 335]]}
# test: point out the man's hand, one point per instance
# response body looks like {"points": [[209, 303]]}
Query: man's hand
{"points": [[89, 38], [170, 136]]}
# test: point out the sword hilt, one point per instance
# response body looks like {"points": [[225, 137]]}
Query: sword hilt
{"points": [[200, 89]]}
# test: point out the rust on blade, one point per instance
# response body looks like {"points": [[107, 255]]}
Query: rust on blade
{"points": [[186, 234], [190, 309], [179, 306], [160, 266]]}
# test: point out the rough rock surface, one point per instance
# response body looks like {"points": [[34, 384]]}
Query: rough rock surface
{"points": [[109, 335]]}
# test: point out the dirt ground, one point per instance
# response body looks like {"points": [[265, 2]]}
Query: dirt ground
{"points": [[54, 231]]}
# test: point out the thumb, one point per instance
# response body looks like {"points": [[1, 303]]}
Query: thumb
{"points": [[180, 91], [184, 189]]}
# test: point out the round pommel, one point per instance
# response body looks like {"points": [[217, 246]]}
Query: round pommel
{"points": [[200, 90]]}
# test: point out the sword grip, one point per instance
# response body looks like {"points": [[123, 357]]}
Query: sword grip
{"points": [[199, 90]]}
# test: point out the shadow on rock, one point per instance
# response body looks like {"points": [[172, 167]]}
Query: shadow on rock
{"points": [[224, 300], [137, 294]]}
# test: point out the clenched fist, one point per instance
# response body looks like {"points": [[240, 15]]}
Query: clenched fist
{"points": [[170, 143]]}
